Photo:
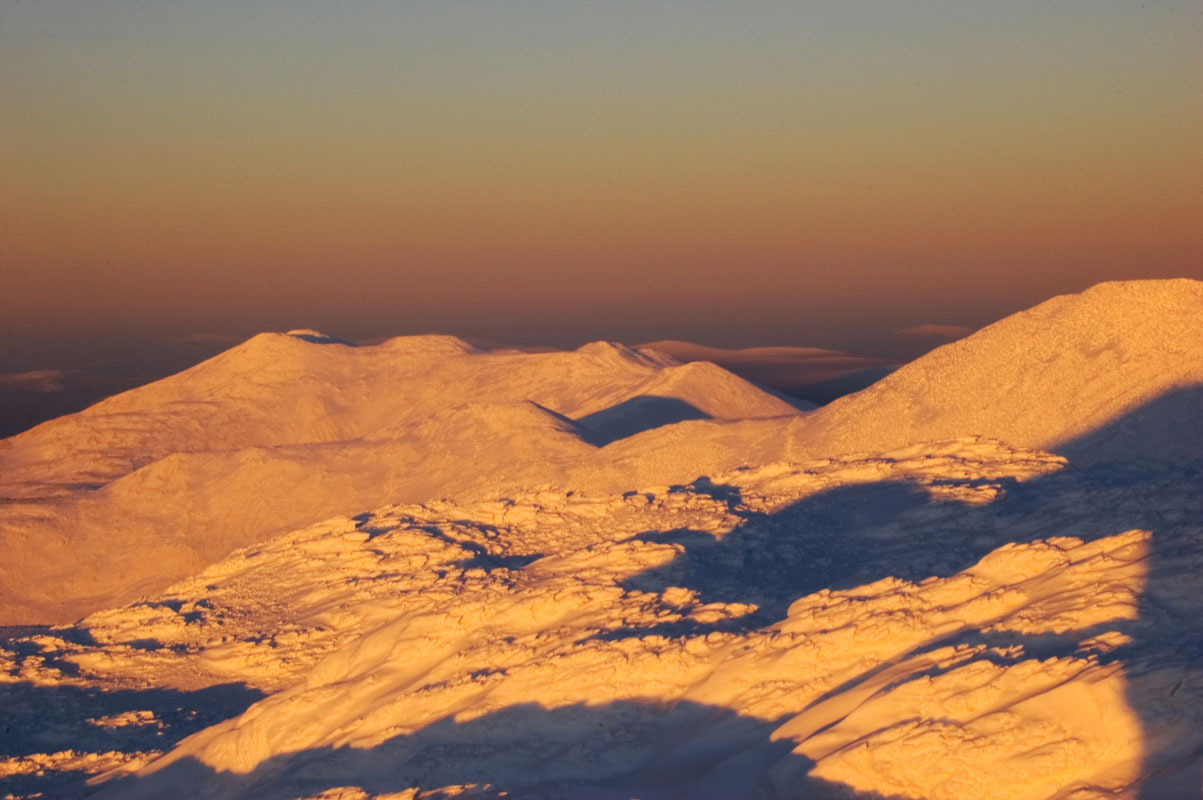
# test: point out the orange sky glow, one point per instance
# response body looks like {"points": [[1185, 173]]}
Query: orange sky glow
{"points": [[735, 174]]}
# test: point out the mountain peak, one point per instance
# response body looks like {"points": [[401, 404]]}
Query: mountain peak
{"points": [[1064, 375]]}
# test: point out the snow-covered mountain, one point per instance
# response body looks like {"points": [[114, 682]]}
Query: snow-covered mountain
{"points": [[289, 429], [1113, 372], [303, 387], [603, 574]]}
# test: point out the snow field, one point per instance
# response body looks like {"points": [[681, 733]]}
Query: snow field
{"points": [[447, 573]]}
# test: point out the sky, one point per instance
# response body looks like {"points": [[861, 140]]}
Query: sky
{"points": [[734, 173]]}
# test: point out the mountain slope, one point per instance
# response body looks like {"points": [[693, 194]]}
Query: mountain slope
{"points": [[278, 389], [288, 429], [824, 629], [1067, 375], [176, 515]]}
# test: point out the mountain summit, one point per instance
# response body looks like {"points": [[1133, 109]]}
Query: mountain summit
{"points": [[1115, 371]]}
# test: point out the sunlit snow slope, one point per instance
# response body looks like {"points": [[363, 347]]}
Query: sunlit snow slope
{"points": [[555, 604], [288, 429], [1116, 371]]}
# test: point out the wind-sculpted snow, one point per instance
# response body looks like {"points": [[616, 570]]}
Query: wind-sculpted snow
{"points": [[527, 595], [957, 620]]}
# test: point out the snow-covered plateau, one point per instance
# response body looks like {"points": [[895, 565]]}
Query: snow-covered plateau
{"points": [[305, 569]]}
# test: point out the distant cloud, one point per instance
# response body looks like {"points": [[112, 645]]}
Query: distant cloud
{"points": [[46, 380], [945, 333], [29, 398], [210, 338]]}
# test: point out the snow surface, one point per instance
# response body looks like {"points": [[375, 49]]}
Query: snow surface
{"points": [[289, 429], [438, 572], [1116, 371]]}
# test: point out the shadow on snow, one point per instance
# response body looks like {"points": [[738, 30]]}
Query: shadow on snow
{"points": [[636, 415], [51, 719], [838, 539]]}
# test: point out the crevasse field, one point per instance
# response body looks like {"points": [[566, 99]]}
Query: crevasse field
{"points": [[304, 569]]}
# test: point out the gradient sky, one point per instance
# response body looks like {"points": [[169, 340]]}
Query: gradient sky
{"points": [[734, 173]]}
